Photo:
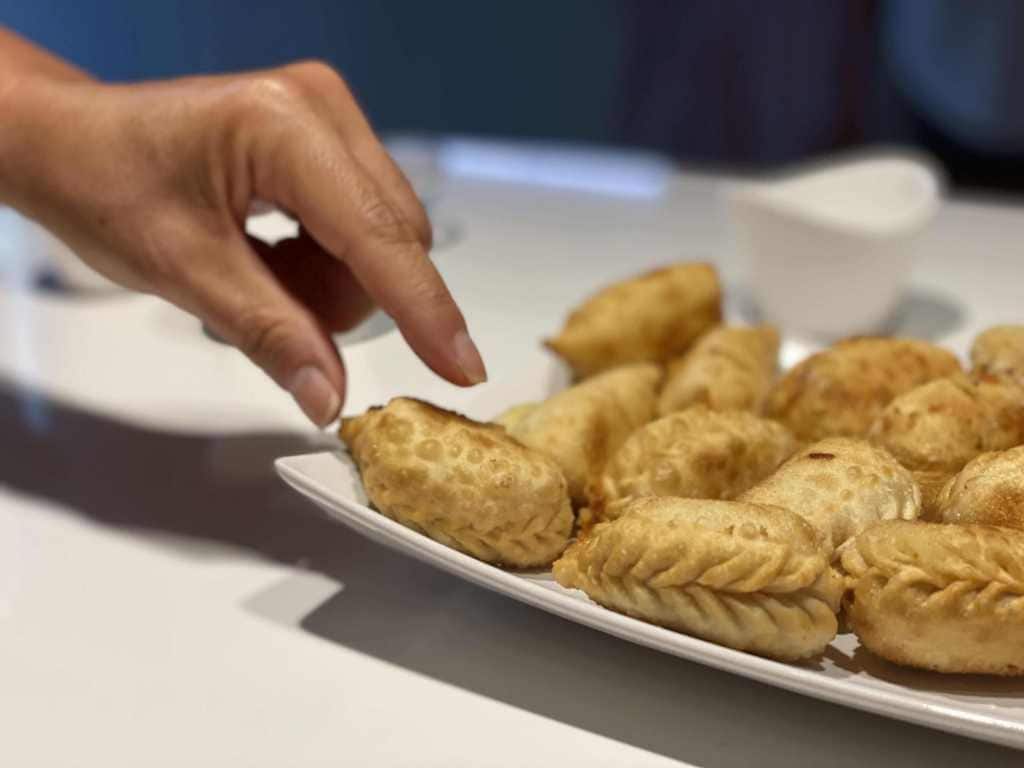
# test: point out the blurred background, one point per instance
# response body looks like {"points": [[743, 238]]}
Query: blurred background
{"points": [[718, 85]]}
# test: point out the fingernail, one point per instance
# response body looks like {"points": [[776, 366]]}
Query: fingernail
{"points": [[315, 395], [468, 358]]}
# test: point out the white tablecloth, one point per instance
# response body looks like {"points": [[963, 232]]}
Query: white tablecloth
{"points": [[166, 601]]}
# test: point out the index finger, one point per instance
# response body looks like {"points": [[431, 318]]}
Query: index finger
{"points": [[345, 210], [327, 89]]}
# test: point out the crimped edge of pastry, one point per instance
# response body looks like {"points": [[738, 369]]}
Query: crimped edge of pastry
{"points": [[975, 575], [759, 580]]}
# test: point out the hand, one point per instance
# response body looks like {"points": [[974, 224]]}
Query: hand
{"points": [[151, 184]]}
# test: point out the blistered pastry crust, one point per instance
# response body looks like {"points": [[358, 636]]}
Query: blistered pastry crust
{"points": [[465, 484]]}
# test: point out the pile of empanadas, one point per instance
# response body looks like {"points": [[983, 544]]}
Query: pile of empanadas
{"points": [[681, 480]]}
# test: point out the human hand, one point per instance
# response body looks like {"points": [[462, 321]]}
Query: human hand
{"points": [[151, 184]]}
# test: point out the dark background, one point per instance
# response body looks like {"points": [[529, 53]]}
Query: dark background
{"points": [[715, 83]]}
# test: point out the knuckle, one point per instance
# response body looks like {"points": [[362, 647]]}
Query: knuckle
{"points": [[318, 72], [383, 222], [431, 297], [270, 95], [406, 205], [265, 337], [424, 231]]}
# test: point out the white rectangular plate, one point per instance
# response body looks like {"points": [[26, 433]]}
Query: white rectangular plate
{"points": [[984, 708]]}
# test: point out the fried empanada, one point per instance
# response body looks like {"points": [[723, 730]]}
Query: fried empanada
{"points": [[513, 417], [650, 318], [999, 352], [742, 575], [944, 597], [696, 453], [581, 426], [990, 490], [843, 389], [935, 429], [841, 485], [465, 484], [930, 482], [729, 369]]}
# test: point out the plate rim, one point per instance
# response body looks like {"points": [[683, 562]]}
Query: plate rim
{"points": [[896, 704]]}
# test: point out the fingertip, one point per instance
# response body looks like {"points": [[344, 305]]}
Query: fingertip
{"points": [[318, 398], [468, 359]]}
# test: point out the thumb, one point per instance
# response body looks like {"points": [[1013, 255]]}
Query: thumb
{"points": [[245, 305]]}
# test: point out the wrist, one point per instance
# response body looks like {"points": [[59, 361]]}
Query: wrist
{"points": [[31, 107], [15, 130], [11, 128], [24, 67]]}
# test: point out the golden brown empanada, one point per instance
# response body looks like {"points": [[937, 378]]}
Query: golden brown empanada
{"points": [[999, 351], [841, 485], [944, 597], [513, 417], [465, 484], [743, 575], [843, 389], [990, 490], [730, 368], [930, 482], [696, 453], [650, 318], [935, 429], [581, 426]]}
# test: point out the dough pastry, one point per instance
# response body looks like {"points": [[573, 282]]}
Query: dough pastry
{"points": [[729, 368], [463, 483], [999, 351], [944, 597], [581, 426], [696, 453], [742, 575], [650, 318], [841, 486], [842, 390], [990, 489], [513, 417], [930, 482], [935, 429]]}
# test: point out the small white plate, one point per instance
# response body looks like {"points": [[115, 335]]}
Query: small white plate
{"points": [[985, 708]]}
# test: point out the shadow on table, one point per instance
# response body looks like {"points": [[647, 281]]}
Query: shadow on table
{"points": [[985, 687], [195, 492]]}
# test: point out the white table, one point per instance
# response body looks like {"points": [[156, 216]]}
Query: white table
{"points": [[166, 601]]}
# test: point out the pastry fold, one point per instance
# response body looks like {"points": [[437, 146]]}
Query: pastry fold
{"points": [[948, 598], [742, 575]]}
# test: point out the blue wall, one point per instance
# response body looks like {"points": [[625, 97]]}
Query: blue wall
{"points": [[734, 83], [519, 68]]}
